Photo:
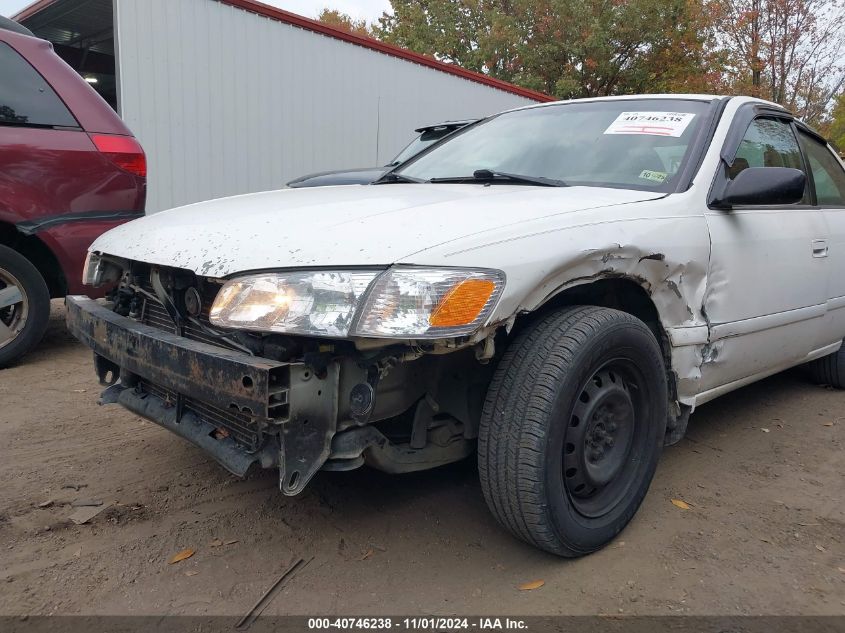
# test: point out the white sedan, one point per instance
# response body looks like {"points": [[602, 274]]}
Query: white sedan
{"points": [[556, 287]]}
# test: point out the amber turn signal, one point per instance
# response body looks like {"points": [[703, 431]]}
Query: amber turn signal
{"points": [[463, 303]]}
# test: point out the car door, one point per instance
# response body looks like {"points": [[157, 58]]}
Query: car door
{"points": [[828, 179], [767, 282]]}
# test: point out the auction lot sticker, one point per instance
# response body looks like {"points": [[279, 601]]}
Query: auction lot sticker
{"points": [[651, 123]]}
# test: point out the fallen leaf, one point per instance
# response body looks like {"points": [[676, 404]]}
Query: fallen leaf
{"points": [[828, 424], [842, 569], [368, 553], [530, 586], [683, 505], [79, 390], [180, 556], [820, 548], [230, 542], [215, 543], [45, 504], [192, 572], [764, 430]]}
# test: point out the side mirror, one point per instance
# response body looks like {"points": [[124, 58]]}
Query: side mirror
{"points": [[767, 186]]}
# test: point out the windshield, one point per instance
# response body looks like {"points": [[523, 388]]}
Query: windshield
{"points": [[429, 137], [637, 144]]}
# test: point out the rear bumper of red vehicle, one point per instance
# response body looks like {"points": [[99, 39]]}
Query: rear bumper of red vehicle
{"points": [[68, 236]]}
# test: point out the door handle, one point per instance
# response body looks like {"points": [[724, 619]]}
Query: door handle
{"points": [[819, 248]]}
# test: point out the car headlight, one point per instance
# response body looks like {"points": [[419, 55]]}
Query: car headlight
{"points": [[98, 271], [429, 302], [321, 303], [91, 270], [401, 302]]}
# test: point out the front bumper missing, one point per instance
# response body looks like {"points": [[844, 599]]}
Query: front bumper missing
{"points": [[188, 425], [291, 413]]}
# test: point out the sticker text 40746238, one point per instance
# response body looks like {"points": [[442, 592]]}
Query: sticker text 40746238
{"points": [[651, 123]]}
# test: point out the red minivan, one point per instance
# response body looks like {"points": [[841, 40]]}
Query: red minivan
{"points": [[69, 171]]}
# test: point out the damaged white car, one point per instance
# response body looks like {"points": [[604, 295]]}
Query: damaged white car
{"points": [[555, 287]]}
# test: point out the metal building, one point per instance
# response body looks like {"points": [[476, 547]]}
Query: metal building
{"points": [[233, 96]]}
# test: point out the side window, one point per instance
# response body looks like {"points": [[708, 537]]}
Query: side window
{"points": [[767, 143], [25, 97], [828, 175]]}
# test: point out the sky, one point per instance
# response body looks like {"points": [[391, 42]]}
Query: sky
{"points": [[369, 10]]}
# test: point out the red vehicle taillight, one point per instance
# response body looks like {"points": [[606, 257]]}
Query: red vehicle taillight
{"points": [[123, 151]]}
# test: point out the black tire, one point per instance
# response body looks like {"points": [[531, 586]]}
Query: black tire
{"points": [[830, 369], [529, 419], [32, 286]]}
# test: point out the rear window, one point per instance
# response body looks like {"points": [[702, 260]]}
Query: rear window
{"points": [[25, 97]]}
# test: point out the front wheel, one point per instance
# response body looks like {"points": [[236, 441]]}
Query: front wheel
{"points": [[24, 306], [572, 428]]}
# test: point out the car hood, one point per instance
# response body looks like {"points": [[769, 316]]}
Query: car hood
{"points": [[344, 226]]}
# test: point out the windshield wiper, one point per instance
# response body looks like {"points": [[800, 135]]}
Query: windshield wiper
{"points": [[488, 175], [391, 177]]}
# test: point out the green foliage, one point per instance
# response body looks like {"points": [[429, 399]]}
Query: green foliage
{"points": [[345, 22], [836, 132], [565, 48], [788, 51], [450, 31]]}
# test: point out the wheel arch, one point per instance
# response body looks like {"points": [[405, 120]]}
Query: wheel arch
{"points": [[626, 293], [39, 254]]}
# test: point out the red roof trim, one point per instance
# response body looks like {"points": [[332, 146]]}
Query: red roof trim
{"points": [[318, 27], [32, 9], [388, 49]]}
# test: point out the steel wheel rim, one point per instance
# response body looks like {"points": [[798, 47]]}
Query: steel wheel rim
{"points": [[603, 431], [13, 315]]}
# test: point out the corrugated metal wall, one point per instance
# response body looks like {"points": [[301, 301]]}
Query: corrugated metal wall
{"points": [[226, 101]]}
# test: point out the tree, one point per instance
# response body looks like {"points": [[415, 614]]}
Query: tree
{"points": [[452, 31], [605, 47], [345, 22], [836, 131], [787, 51], [565, 48]]}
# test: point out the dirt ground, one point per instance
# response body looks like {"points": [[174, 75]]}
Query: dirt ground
{"points": [[762, 470]]}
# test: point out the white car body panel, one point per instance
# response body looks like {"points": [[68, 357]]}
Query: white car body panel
{"points": [[341, 226], [725, 328]]}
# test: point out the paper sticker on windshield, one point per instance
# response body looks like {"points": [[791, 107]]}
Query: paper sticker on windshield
{"points": [[651, 123], [656, 176]]}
